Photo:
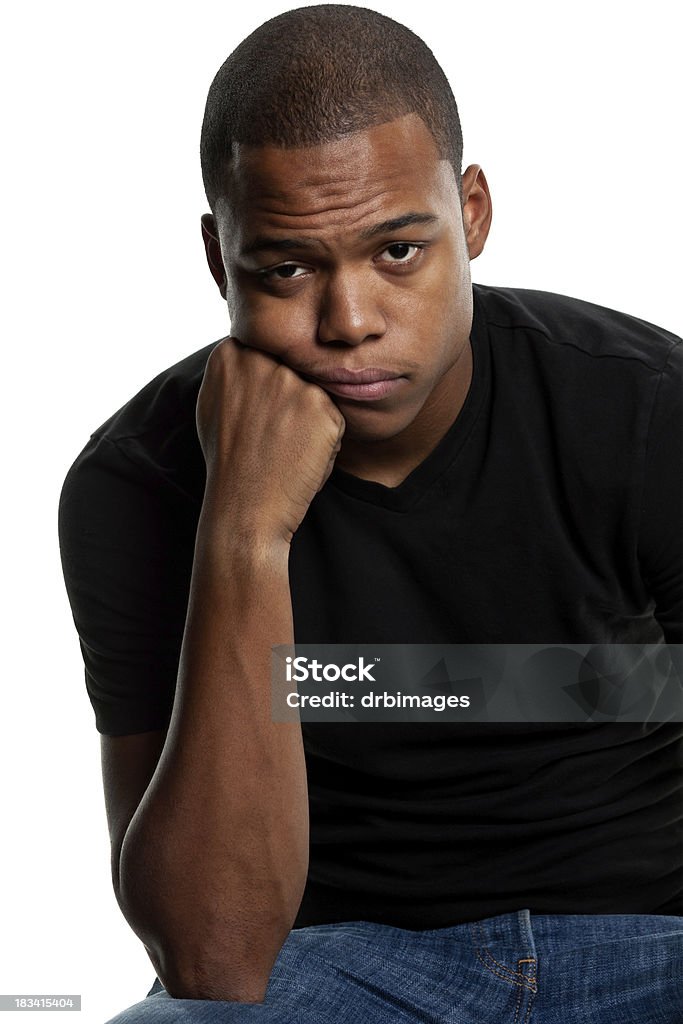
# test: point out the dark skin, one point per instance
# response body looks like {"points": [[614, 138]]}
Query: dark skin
{"points": [[210, 863], [398, 299]]}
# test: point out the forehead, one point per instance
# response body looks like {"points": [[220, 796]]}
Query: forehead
{"points": [[340, 184]]}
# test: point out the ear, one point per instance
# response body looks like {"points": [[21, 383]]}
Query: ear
{"points": [[476, 209], [213, 252]]}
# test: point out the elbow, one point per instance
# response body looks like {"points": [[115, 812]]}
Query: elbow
{"points": [[202, 947], [201, 982], [197, 959], [207, 976]]}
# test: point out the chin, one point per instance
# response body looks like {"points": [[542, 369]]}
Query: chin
{"points": [[373, 428]]}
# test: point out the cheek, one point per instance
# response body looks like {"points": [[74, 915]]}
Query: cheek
{"points": [[450, 287], [433, 306], [275, 326]]}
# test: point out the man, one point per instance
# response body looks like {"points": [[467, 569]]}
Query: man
{"points": [[380, 453]]}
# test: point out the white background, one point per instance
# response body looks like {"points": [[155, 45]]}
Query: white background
{"points": [[572, 110]]}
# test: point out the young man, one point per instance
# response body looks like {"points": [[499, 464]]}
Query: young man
{"points": [[379, 453]]}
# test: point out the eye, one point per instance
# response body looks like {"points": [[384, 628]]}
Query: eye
{"points": [[285, 272], [399, 252]]}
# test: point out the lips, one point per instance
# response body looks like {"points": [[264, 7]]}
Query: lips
{"points": [[370, 383], [365, 392], [342, 375]]}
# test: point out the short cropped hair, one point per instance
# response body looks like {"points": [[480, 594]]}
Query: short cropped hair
{"points": [[315, 74]]}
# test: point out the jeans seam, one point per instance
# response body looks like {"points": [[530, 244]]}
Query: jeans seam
{"points": [[513, 977], [521, 989]]}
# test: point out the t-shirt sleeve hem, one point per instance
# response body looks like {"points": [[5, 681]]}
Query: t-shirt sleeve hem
{"points": [[123, 719]]}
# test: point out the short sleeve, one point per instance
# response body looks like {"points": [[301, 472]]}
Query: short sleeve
{"points": [[660, 540], [126, 541]]}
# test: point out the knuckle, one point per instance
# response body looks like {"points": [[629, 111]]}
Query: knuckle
{"points": [[222, 351], [219, 357]]}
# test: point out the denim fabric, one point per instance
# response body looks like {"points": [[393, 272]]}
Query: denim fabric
{"points": [[517, 968]]}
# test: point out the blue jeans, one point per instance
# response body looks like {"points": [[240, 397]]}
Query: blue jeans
{"points": [[516, 968]]}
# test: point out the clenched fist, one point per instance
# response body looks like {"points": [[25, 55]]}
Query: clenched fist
{"points": [[269, 439]]}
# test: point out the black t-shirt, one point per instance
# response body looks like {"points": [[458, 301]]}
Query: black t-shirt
{"points": [[550, 512]]}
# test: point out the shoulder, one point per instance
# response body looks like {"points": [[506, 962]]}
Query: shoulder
{"points": [[596, 387], [149, 442], [553, 322], [171, 396]]}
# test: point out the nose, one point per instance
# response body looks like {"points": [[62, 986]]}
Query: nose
{"points": [[349, 311]]}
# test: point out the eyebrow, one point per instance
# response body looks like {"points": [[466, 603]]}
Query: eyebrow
{"points": [[263, 243], [396, 223]]}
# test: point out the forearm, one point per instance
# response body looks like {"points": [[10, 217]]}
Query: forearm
{"points": [[214, 862]]}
